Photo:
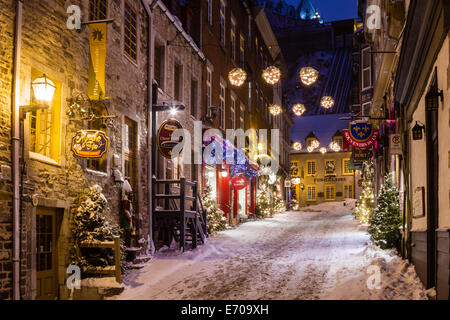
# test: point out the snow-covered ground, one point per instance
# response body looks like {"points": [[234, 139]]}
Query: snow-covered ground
{"points": [[320, 253]]}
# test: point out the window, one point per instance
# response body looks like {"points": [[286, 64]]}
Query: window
{"points": [[348, 191], [98, 9], [130, 32], [366, 107], [330, 167], [129, 146], [311, 193], [222, 21], [159, 65], [311, 168], [209, 13], [256, 49], [346, 167], [249, 32], [194, 98], [330, 192], [241, 51], [242, 117], [98, 124], [222, 106], [294, 168], [208, 86], [366, 68], [45, 125], [233, 39], [339, 140], [232, 112], [211, 181], [249, 96], [177, 84]]}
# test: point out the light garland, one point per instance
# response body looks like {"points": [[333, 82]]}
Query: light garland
{"points": [[335, 146], [323, 150], [297, 146], [298, 109], [271, 75], [237, 77], [309, 76], [327, 102], [275, 109]]}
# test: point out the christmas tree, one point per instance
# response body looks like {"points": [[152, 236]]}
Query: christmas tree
{"points": [[385, 222], [278, 203], [264, 207], [90, 223], [364, 206], [214, 216]]}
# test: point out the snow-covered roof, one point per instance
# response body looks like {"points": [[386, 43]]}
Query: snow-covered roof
{"points": [[324, 127]]}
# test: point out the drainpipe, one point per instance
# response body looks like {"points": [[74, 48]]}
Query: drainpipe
{"points": [[15, 142], [149, 10]]}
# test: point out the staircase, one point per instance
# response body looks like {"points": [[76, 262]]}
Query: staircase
{"points": [[181, 215]]}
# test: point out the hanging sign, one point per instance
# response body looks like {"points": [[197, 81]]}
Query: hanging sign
{"points": [[395, 144], [164, 137], [97, 60], [239, 183], [361, 155], [361, 135], [287, 183], [90, 144]]}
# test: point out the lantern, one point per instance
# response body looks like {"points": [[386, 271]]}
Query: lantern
{"points": [[237, 77], [297, 146], [271, 75], [224, 173], [298, 109], [43, 88], [327, 102], [432, 101], [323, 150], [335, 146], [417, 131], [315, 144], [275, 109], [309, 76]]}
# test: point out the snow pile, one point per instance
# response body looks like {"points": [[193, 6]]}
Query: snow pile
{"points": [[386, 277]]}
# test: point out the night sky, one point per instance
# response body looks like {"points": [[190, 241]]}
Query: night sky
{"points": [[332, 10]]}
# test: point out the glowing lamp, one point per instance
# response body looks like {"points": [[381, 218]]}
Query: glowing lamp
{"points": [[275, 109], [237, 77], [335, 146], [297, 146], [309, 76], [327, 102], [43, 88], [298, 109], [323, 150], [224, 173], [271, 75]]}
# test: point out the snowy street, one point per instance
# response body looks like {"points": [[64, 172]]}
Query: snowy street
{"points": [[312, 254]]}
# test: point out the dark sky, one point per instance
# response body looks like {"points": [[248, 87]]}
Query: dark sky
{"points": [[332, 10]]}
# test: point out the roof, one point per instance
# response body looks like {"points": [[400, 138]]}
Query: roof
{"points": [[324, 127]]}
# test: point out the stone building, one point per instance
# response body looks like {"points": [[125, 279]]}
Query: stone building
{"points": [[51, 178]]}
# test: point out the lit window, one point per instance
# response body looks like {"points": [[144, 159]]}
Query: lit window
{"points": [[311, 166], [241, 51], [130, 32], [346, 167], [45, 125], [312, 193], [330, 167], [330, 192], [242, 117], [97, 9]]}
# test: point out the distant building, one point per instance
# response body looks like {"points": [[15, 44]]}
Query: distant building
{"points": [[325, 174]]}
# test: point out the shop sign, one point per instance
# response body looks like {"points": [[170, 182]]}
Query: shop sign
{"points": [[361, 135], [239, 183], [164, 137], [90, 144], [395, 144], [287, 184], [361, 155]]}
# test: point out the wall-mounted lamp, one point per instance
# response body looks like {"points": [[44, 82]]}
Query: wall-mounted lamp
{"points": [[44, 90], [417, 131], [431, 99], [224, 172]]}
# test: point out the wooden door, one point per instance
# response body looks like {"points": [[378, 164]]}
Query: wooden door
{"points": [[46, 281]]}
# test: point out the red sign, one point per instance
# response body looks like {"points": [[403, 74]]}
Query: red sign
{"points": [[361, 145], [164, 138], [239, 183]]}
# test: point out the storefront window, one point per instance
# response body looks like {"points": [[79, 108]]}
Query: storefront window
{"points": [[242, 207], [211, 180]]}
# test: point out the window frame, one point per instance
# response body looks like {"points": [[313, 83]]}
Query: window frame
{"points": [[365, 69], [242, 116], [132, 10], [233, 38], [332, 185], [98, 15], [325, 173], [209, 74], [307, 168], [209, 15], [344, 173], [178, 80], [194, 96], [315, 192], [352, 193], [222, 22], [222, 104], [233, 100]]}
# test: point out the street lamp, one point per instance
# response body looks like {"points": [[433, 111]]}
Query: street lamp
{"points": [[44, 90]]}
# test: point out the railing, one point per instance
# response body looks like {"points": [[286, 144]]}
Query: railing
{"points": [[115, 244]]}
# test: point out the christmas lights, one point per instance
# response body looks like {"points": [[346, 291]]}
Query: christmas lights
{"points": [[309, 76], [271, 75]]}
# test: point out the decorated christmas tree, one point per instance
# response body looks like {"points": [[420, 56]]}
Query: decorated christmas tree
{"points": [[214, 216], [364, 206], [90, 223], [264, 207], [385, 222], [278, 203]]}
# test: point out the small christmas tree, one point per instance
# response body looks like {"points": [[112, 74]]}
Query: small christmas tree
{"points": [[364, 206], [264, 206], [278, 203], [294, 204], [90, 223], [216, 221], [385, 222]]}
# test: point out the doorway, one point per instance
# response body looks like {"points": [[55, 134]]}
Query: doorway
{"points": [[46, 253]]}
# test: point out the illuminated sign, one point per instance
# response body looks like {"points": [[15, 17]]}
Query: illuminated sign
{"points": [[90, 144], [164, 138], [239, 183]]}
